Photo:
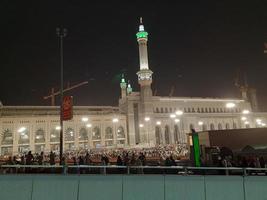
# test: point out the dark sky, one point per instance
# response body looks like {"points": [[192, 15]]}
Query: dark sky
{"points": [[197, 47]]}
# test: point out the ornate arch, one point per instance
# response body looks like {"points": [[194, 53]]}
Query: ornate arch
{"points": [[83, 133], [69, 134], [40, 136], [109, 133], [96, 134]]}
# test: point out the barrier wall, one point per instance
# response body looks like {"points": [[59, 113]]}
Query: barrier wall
{"points": [[132, 187]]}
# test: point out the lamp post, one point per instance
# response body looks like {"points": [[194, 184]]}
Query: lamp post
{"points": [[61, 33]]}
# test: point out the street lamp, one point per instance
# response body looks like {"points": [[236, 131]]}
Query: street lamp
{"points": [[61, 33]]}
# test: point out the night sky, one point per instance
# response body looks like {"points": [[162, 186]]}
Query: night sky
{"points": [[196, 47]]}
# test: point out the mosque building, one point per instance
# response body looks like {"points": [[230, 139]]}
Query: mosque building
{"points": [[140, 120]]}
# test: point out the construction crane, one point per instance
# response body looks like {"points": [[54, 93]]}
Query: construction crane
{"points": [[53, 94]]}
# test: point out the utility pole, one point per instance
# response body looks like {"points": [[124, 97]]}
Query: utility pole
{"points": [[61, 33]]}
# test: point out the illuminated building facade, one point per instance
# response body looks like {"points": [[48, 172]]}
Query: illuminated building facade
{"points": [[140, 120]]}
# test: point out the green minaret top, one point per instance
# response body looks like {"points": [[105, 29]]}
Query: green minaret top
{"points": [[129, 88], [122, 78], [141, 33], [123, 83]]}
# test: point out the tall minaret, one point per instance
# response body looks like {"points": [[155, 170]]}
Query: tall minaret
{"points": [[144, 74], [145, 80], [123, 87]]}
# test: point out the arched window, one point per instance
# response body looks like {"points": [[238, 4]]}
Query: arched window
{"points": [[221, 110], [176, 134], [166, 110], [212, 127], [213, 110], [39, 136], [227, 126], [7, 138], [83, 134], [219, 126], [161, 110], [69, 134], [120, 132], [167, 134], [198, 110], [189, 110], [109, 133], [157, 110], [185, 110], [193, 110], [202, 110], [191, 126], [210, 110], [206, 110], [158, 135], [24, 137], [96, 134], [217, 110], [54, 135]]}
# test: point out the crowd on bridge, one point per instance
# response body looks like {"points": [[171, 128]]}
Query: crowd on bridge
{"points": [[161, 155]]}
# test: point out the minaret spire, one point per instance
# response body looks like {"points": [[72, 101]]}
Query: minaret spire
{"points": [[145, 80]]}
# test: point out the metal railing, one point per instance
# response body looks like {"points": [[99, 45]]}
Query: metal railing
{"points": [[114, 169]]}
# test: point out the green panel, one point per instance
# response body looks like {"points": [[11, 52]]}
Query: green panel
{"points": [[196, 149], [15, 187], [55, 187], [228, 187], [100, 187], [143, 187], [184, 188], [256, 187]]}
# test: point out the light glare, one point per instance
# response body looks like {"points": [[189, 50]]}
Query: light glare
{"points": [[179, 112], [230, 105], [85, 119]]}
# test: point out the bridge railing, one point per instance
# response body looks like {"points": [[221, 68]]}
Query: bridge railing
{"points": [[114, 169]]}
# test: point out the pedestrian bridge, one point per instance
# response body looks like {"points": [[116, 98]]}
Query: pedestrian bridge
{"points": [[131, 187]]}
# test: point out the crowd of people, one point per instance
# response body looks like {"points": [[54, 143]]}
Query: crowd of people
{"points": [[161, 155], [169, 155]]}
